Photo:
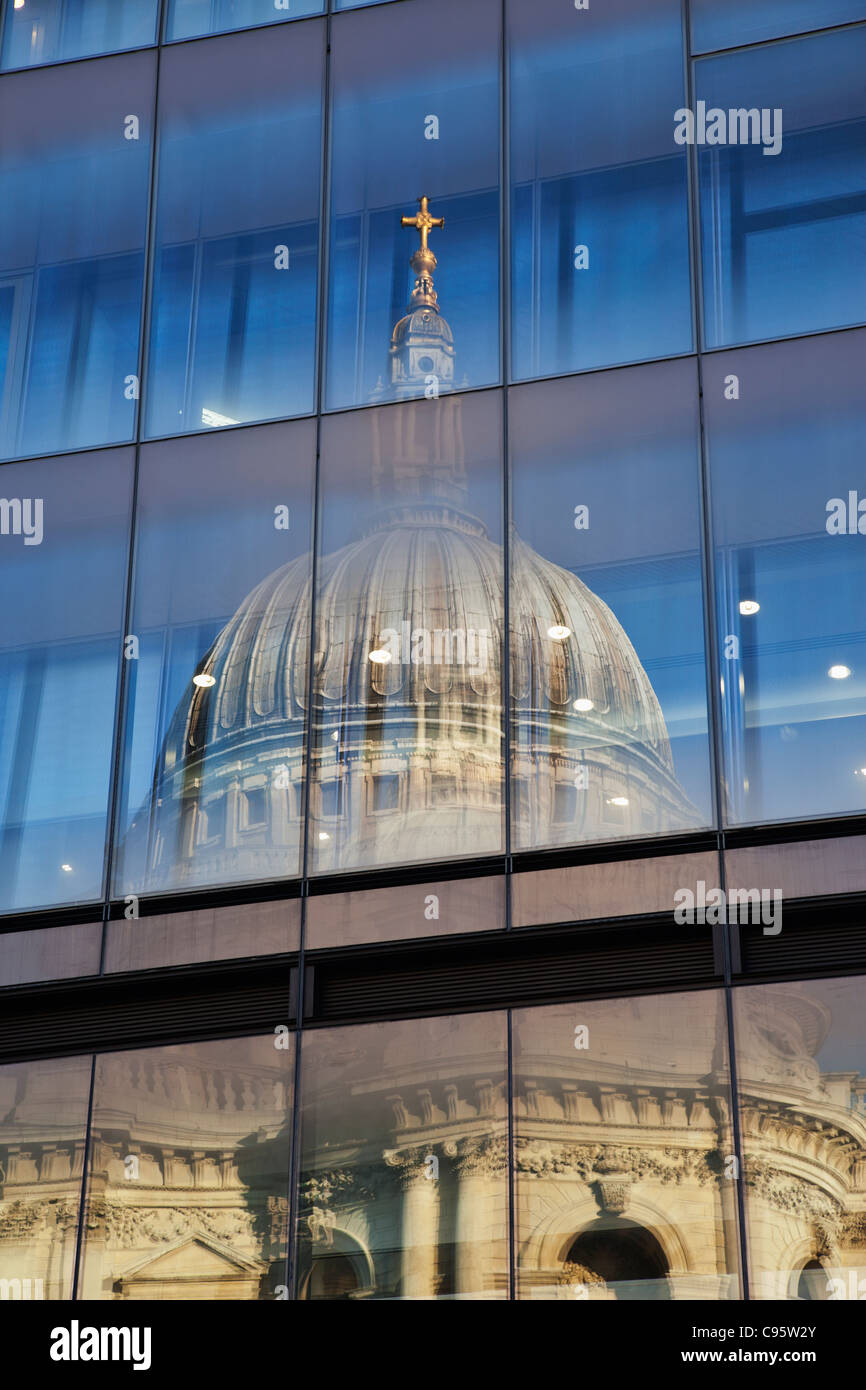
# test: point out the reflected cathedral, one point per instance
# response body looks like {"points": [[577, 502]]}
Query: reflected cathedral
{"points": [[407, 745], [622, 1189]]}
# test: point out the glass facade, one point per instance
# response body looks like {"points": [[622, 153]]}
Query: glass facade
{"points": [[783, 220], [398, 134], [599, 200], [74, 176], [53, 31], [432, 525], [614, 1118]]}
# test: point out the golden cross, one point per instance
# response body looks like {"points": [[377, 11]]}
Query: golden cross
{"points": [[423, 221]]}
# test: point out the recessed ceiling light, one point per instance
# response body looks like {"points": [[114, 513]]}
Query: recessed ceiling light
{"points": [[839, 673], [323, 835], [748, 606], [618, 800], [67, 868], [380, 657], [583, 704], [558, 633], [203, 680], [860, 772]]}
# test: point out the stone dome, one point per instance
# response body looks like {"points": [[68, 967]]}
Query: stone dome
{"points": [[425, 585]]}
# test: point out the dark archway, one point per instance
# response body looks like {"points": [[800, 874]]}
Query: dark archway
{"points": [[626, 1256]]}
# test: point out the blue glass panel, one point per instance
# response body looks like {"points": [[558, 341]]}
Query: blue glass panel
{"points": [[594, 166], [236, 262], [186, 19], [64, 532], [213, 769], [50, 31], [74, 178], [406, 744], [608, 672], [401, 130], [727, 23], [780, 453], [784, 234]]}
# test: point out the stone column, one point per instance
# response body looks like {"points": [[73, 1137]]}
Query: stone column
{"points": [[419, 1223], [481, 1211]]}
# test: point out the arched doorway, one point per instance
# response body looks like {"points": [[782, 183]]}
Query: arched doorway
{"points": [[626, 1256]]}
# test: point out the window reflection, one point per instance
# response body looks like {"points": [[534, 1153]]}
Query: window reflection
{"points": [[60, 653], [621, 1144], [74, 177], [600, 243], [43, 1117], [789, 591], [802, 1081], [407, 721], [187, 1190], [398, 132], [783, 235], [214, 765], [403, 1173], [608, 682], [188, 18], [734, 22], [234, 298], [49, 31]]}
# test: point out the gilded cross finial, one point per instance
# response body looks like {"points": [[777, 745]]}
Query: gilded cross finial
{"points": [[423, 221]]}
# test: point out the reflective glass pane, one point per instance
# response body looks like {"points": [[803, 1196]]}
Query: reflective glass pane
{"points": [[608, 677], [407, 719], [188, 1178], [49, 31], [213, 771], [783, 217], [624, 1186], [403, 1190], [801, 1076], [64, 537], [727, 23], [74, 178], [599, 199], [402, 130], [785, 427], [43, 1119], [234, 298], [188, 18]]}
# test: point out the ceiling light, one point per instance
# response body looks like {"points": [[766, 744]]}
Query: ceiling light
{"points": [[748, 606], [380, 656], [860, 772], [203, 680], [67, 868], [839, 673], [335, 735], [583, 704], [19, 4], [558, 633], [618, 801], [323, 835]]}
